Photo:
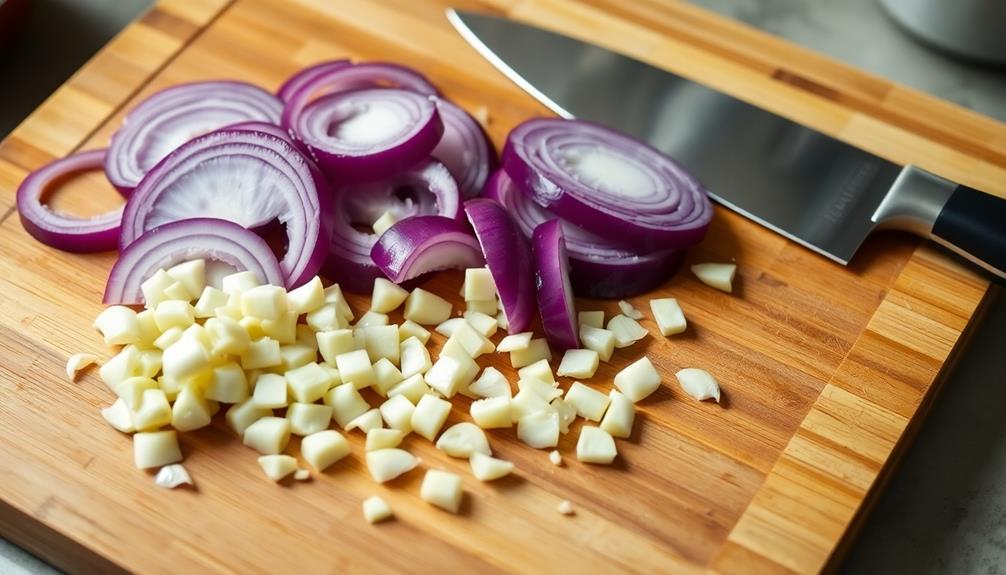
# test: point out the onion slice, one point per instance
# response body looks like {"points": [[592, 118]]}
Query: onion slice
{"points": [[226, 247], [507, 255], [423, 244], [61, 231], [175, 115], [465, 149], [366, 134], [607, 183], [248, 177], [555, 295], [597, 267]]}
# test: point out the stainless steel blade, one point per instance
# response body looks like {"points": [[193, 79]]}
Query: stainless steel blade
{"points": [[805, 185]]}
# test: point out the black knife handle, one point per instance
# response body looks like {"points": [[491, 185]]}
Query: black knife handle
{"points": [[973, 224]]}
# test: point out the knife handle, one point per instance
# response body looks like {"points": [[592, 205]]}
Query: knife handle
{"points": [[973, 224]]}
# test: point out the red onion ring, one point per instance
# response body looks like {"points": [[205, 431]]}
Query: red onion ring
{"points": [[247, 177], [598, 268], [173, 116], [465, 149], [211, 239], [424, 244], [308, 76], [507, 254], [608, 183], [366, 134], [555, 295], [61, 231]]}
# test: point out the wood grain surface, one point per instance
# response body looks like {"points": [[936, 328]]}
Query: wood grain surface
{"points": [[826, 370]]}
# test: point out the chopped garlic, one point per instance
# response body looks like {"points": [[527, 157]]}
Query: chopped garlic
{"points": [[491, 383], [326, 318], [118, 325], [271, 392], [450, 373], [171, 476], [539, 430], [555, 457], [382, 224], [580, 363], [355, 367], [154, 286], [366, 421], [277, 467], [501, 320], [386, 296], [209, 301], [515, 342], [463, 439], [120, 367], [426, 308], [381, 341], [386, 376], [264, 302], [131, 390], [376, 509], [429, 416], [486, 468], [381, 438], [719, 276], [261, 353], [620, 415], [413, 388], [526, 402], [638, 380], [296, 355], [409, 328], [442, 489], [118, 416], [487, 307], [333, 295], [308, 383], [154, 411], [493, 412], [479, 285], [539, 370], [77, 362], [483, 323], [191, 275], [228, 384], [173, 313], [447, 327], [334, 343], [699, 384], [191, 410], [268, 435], [564, 507], [595, 445], [668, 315], [414, 357], [470, 340], [543, 389], [156, 448], [323, 448], [169, 337], [536, 350], [591, 318], [308, 418], [301, 474], [226, 336], [346, 402], [387, 464], [397, 413], [565, 411], [629, 311], [239, 282], [240, 416], [589, 403], [627, 330], [307, 297]]}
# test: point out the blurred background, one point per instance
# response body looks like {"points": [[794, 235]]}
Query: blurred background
{"points": [[945, 509]]}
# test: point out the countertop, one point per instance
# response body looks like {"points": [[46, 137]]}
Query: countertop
{"points": [[945, 509]]}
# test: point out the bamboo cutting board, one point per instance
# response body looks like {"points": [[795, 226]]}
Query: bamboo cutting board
{"points": [[826, 370]]}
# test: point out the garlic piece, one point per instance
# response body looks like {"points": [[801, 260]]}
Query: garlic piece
{"points": [[462, 440], [470, 340], [372, 319], [491, 383], [228, 337], [386, 296], [566, 413], [228, 384], [448, 327], [483, 323], [334, 343], [555, 457], [409, 328], [118, 416], [413, 388], [719, 276], [539, 370], [451, 373], [539, 430], [156, 448], [355, 367], [324, 448], [263, 302], [308, 418], [627, 331], [326, 318], [77, 362], [598, 339], [564, 507], [527, 402], [209, 300], [442, 489], [397, 413], [268, 435], [171, 476], [382, 224], [376, 509], [263, 352], [515, 342], [629, 311], [333, 295], [380, 438], [668, 315], [367, 421], [241, 415], [699, 384], [347, 403], [486, 468], [118, 325], [307, 297], [429, 416], [589, 403], [426, 308], [545, 390], [381, 341], [174, 313], [270, 392], [536, 350], [591, 318], [414, 357], [277, 467], [154, 411], [191, 275], [479, 285], [387, 464], [620, 415], [595, 445], [638, 380], [579, 363], [492, 413], [301, 474]]}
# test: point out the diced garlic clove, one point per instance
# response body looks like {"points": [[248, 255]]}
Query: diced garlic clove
{"points": [[501, 321], [595, 445], [132, 389], [268, 435], [156, 448], [118, 325], [323, 448], [307, 297], [565, 411], [414, 357], [462, 440], [384, 222], [539, 370], [492, 383], [448, 327], [228, 384], [191, 275], [479, 285], [429, 416], [276, 467], [171, 476], [261, 353], [376, 509], [471, 341], [451, 373], [296, 355], [333, 295], [668, 315], [543, 389], [591, 318], [627, 331], [589, 403], [409, 328], [699, 384], [426, 308], [355, 367], [387, 464], [487, 306], [555, 457], [527, 402], [539, 430], [367, 421], [564, 507], [240, 416], [629, 311], [381, 438], [492, 413], [346, 402], [154, 286], [326, 318], [442, 489], [174, 313], [579, 363], [620, 415], [536, 350], [515, 342], [77, 362], [271, 392], [227, 336], [413, 388], [308, 418], [486, 468], [120, 367], [381, 341], [239, 282], [483, 323], [154, 411], [264, 302], [372, 318], [118, 416], [638, 380], [397, 413], [302, 475], [719, 276], [334, 343]]}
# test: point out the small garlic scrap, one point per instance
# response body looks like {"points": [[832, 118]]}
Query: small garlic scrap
{"points": [[555, 457], [629, 311], [564, 507], [171, 476], [719, 276], [77, 362], [376, 509], [699, 384]]}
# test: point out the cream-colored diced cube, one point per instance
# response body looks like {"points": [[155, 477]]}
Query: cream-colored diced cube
{"points": [[543, 389], [268, 435], [492, 383], [449, 374], [118, 325], [627, 331], [177, 291], [486, 468], [397, 413], [334, 343], [168, 338], [620, 415], [555, 458], [333, 295], [566, 413], [191, 410], [226, 336], [308, 418], [208, 302], [296, 355], [668, 315], [470, 340], [442, 489], [346, 402], [527, 402], [366, 421], [429, 416], [148, 329], [502, 321], [591, 318], [382, 224], [271, 391], [638, 380], [536, 350], [239, 282], [376, 509], [588, 402], [492, 413], [386, 296], [191, 274], [354, 367], [263, 352], [174, 313], [154, 411], [719, 276], [515, 342], [282, 329], [414, 357], [131, 390], [387, 464], [324, 448], [119, 416], [409, 328], [483, 323], [381, 341], [228, 384], [308, 383], [600, 340], [154, 286], [241, 415], [539, 430], [486, 306], [448, 327], [372, 318], [277, 467], [463, 439], [156, 448], [579, 363], [252, 326], [413, 388], [307, 297], [151, 361], [479, 285], [386, 376], [326, 318], [539, 370], [595, 445], [382, 438], [426, 308]]}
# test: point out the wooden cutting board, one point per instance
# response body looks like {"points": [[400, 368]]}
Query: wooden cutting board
{"points": [[827, 371]]}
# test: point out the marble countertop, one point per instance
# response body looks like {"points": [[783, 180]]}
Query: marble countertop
{"points": [[945, 508]]}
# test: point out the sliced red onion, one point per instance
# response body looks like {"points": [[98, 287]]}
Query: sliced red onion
{"points": [[427, 189], [465, 149], [368, 134], [508, 256], [62, 231], [226, 247], [608, 183], [423, 244], [598, 268], [175, 115], [247, 177], [555, 295], [332, 77], [274, 130]]}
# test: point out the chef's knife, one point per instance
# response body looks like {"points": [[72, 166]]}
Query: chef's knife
{"points": [[818, 191]]}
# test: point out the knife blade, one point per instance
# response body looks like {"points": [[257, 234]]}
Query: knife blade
{"points": [[814, 189]]}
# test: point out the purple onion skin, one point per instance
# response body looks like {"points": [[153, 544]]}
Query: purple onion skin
{"points": [[555, 296], [399, 252]]}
